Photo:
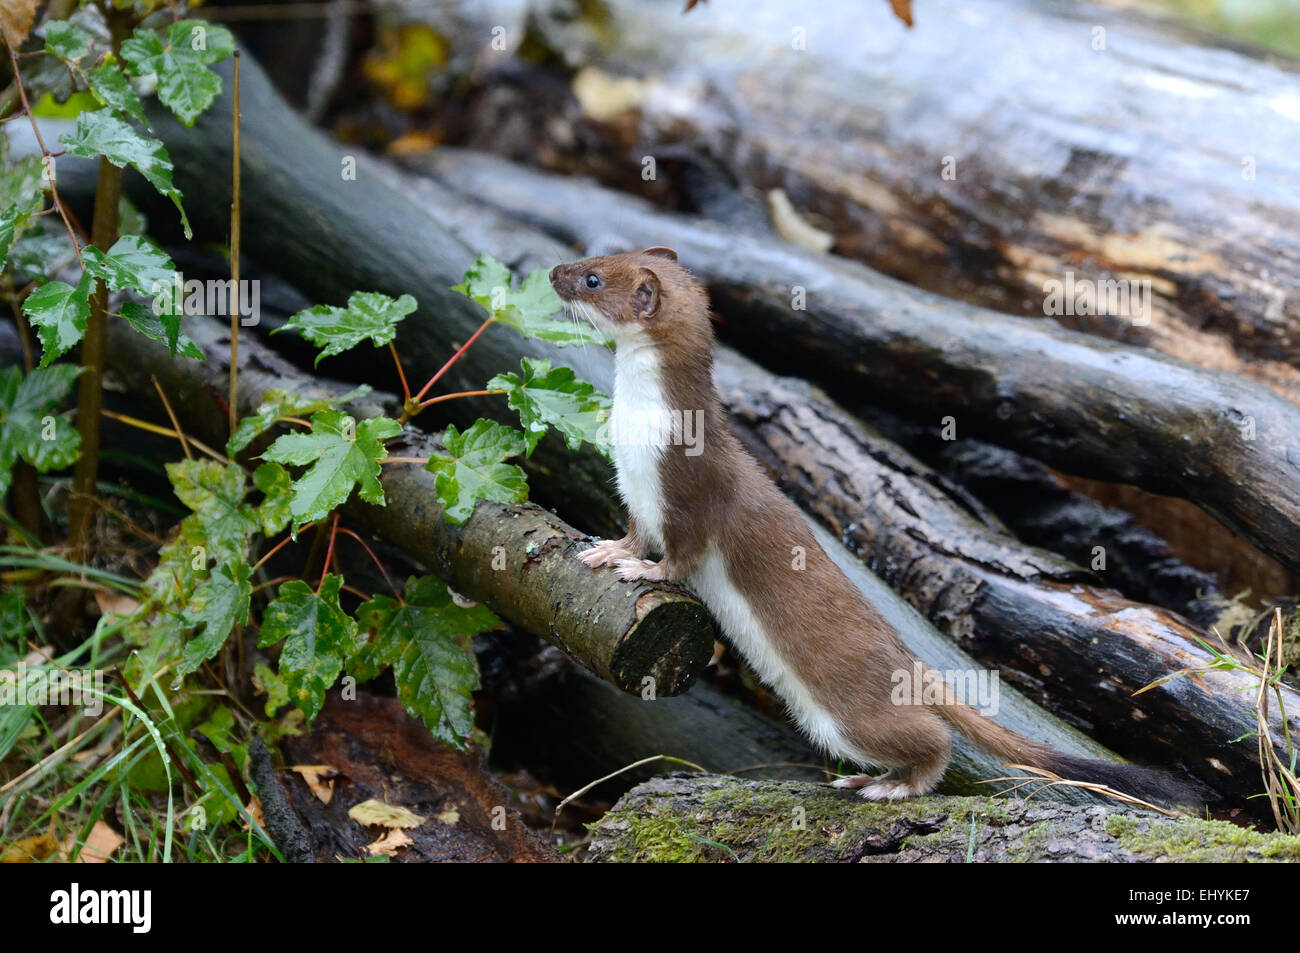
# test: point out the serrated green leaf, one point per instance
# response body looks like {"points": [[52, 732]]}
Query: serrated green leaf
{"points": [[531, 309], [272, 686], [180, 61], [102, 133], [144, 321], [471, 469], [29, 428], [215, 492], [319, 637], [218, 604], [66, 40], [8, 226], [342, 453], [40, 251], [59, 313], [134, 262], [22, 184], [279, 405], [111, 88], [182, 564], [369, 316], [553, 397], [209, 42], [277, 491], [426, 640]]}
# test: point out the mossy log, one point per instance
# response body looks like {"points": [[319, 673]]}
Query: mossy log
{"points": [[622, 632], [685, 818], [995, 146], [1089, 407]]}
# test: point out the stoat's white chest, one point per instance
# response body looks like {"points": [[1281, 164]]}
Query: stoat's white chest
{"points": [[640, 427]]}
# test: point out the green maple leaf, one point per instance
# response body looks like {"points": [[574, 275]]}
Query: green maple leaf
{"points": [[553, 397], [277, 494], [59, 313], [67, 41], [215, 492], [134, 262], [342, 453], [111, 87], [182, 565], [101, 132], [180, 60], [472, 468], [369, 316], [145, 321], [218, 604], [29, 429], [530, 309], [319, 637], [9, 222], [426, 641], [279, 405]]}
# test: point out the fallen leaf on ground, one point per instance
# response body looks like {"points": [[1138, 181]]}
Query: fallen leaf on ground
{"points": [[320, 778], [114, 603], [374, 812], [99, 846], [389, 844], [32, 850]]}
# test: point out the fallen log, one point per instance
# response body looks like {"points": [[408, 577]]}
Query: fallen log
{"points": [[1089, 407], [996, 146], [624, 633], [711, 818]]}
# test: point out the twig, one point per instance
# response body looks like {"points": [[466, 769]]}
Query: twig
{"points": [[171, 415], [627, 767], [234, 257], [163, 432]]}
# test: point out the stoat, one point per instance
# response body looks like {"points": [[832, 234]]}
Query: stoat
{"points": [[724, 529]]}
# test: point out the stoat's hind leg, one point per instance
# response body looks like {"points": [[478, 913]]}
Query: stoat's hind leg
{"points": [[925, 745]]}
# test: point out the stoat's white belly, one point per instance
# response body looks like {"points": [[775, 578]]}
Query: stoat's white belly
{"points": [[640, 426], [741, 625]]}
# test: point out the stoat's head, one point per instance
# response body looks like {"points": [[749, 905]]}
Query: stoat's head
{"points": [[638, 297]]}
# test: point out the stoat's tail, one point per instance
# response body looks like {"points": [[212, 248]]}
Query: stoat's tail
{"points": [[1145, 783]]}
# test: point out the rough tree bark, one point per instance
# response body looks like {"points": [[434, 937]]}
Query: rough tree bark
{"points": [[1090, 407], [694, 818], [997, 145]]}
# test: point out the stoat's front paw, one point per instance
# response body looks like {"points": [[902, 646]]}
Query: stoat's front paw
{"points": [[606, 552], [637, 570]]}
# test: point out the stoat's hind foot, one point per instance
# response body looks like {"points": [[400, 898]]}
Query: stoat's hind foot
{"points": [[606, 552], [636, 570], [893, 785]]}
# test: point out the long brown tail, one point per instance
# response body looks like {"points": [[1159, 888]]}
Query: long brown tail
{"points": [[1145, 783]]}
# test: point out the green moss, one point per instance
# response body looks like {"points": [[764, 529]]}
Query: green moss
{"points": [[1197, 841]]}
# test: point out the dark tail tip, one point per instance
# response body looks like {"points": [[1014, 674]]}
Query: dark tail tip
{"points": [[1148, 784]]}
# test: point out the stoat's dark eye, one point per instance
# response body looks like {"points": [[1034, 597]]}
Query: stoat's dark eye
{"points": [[593, 281]]}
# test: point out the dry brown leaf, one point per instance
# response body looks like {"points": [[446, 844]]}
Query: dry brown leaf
{"points": [[375, 812], [389, 844], [320, 778], [114, 603], [16, 18], [99, 846], [32, 850], [254, 809], [902, 9]]}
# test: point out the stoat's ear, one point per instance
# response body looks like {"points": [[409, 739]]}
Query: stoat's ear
{"points": [[659, 251], [645, 300]]}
